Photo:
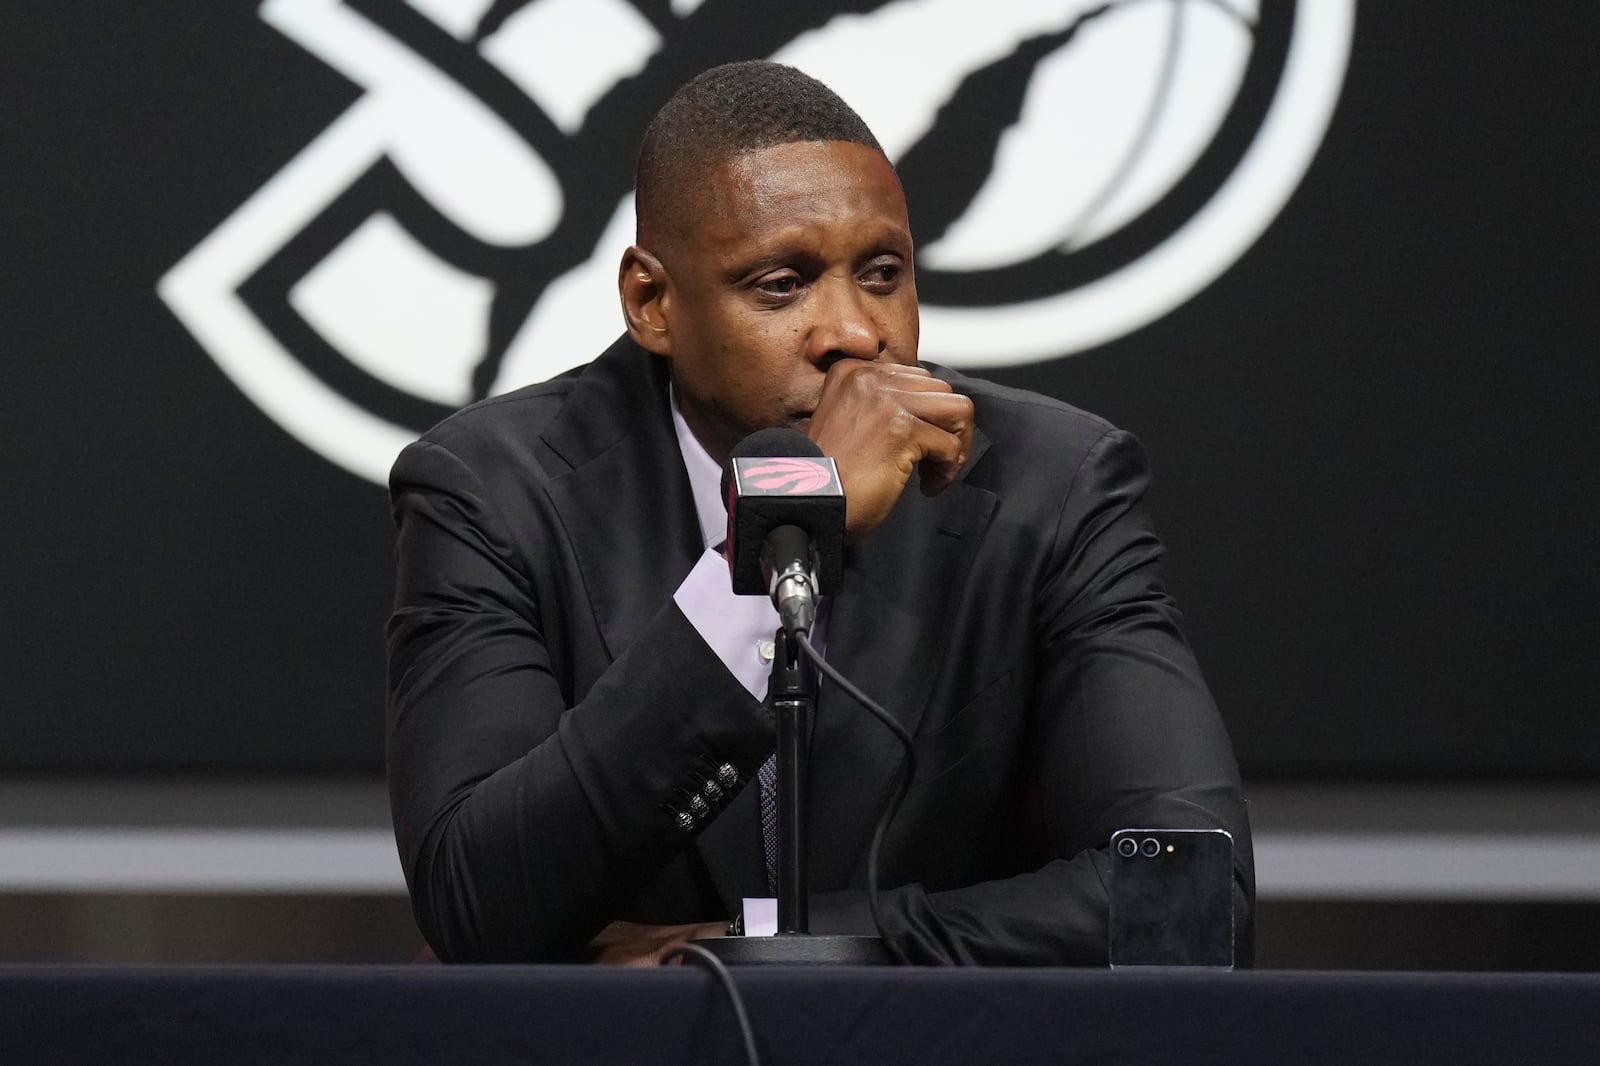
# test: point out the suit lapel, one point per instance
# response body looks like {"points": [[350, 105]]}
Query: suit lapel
{"points": [[887, 632], [626, 502], [630, 519]]}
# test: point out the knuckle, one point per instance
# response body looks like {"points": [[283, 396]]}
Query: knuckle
{"points": [[902, 422]]}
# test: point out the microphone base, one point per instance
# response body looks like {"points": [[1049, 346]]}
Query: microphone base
{"points": [[798, 949]]}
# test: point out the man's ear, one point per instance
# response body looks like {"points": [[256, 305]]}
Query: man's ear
{"points": [[643, 284]]}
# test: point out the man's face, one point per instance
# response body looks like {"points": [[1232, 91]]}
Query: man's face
{"points": [[799, 256]]}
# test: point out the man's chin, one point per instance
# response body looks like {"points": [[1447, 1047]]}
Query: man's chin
{"points": [[800, 421]]}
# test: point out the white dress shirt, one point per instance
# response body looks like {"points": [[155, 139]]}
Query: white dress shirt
{"points": [[738, 628]]}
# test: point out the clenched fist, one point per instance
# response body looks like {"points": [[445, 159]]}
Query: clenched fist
{"points": [[878, 421]]}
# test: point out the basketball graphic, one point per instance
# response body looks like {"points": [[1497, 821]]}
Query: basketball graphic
{"points": [[1074, 171]]}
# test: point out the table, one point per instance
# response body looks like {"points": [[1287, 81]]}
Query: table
{"points": [[401, 1015]]}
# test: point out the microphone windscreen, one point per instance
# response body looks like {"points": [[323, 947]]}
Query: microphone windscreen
{"points": [[777, 477]]}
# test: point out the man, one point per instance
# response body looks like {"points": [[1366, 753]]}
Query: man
{"points": [[575, 725]]}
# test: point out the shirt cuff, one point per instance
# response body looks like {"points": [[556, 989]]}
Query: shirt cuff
{"points": [[735, 627]]}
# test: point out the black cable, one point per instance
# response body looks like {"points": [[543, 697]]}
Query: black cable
{"points": [[908, 772], [720, 972]]}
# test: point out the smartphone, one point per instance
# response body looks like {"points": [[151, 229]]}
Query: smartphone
{"points": [[1171, 897]]}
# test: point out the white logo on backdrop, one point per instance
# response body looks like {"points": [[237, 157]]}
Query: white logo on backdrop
{"points": [[1075, 171]]}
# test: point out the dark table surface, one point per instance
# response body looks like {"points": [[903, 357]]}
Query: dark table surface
{"points": [[399, 1015]]}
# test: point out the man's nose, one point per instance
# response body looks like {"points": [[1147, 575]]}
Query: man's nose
{"points": [[844, 326]]}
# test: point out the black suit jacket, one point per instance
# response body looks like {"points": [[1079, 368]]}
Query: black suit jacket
{"points": [[552, 713]]}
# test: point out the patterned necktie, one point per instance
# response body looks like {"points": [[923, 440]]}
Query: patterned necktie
{"points": [[768, 777]]}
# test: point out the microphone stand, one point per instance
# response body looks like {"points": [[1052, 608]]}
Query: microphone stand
{"points": [[792, 695]]}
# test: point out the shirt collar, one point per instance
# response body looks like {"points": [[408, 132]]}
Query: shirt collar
{"points": [[705, 479]]}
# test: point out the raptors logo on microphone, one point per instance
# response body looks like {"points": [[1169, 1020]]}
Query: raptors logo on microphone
{"points": [[1075, 170], [797, 476]]}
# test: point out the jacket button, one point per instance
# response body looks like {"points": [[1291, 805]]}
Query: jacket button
{"points": [[697, 804], [684, 821], [712, 791], [727, 775]]}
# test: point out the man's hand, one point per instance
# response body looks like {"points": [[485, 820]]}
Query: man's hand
{"points": [[631, 944], [878, 421]]}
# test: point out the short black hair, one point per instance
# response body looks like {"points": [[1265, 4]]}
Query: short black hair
{"points": [[724, 112]]}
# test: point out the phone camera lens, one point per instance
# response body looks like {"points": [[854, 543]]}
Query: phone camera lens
{"points": [[1127, 847], [1151, 847]]}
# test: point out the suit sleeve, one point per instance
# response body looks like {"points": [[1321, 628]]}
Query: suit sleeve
{"points": [[1122, 732], [524, 822]]}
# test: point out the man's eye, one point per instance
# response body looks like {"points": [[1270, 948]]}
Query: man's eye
{"points": [[783, 285], [883, 274]]}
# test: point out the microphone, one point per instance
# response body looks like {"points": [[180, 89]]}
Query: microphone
{"points": [[785, 523]]}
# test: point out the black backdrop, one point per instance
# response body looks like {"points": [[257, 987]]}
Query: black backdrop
{"points": [[1374, 436]]}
